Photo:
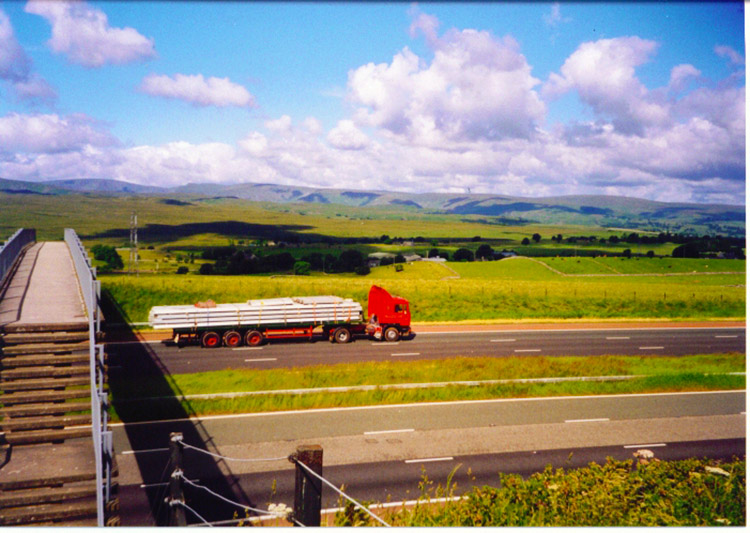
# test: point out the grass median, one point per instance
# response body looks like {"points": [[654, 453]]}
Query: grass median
{"points": [[247, 390]]}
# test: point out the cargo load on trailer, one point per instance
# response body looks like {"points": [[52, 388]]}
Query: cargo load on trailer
{"points": [[255, 321]]}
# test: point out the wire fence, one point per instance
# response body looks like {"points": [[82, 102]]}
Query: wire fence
{"points": [[275, 510]]}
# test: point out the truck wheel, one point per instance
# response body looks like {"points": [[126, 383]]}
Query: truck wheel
{"points": [[342, 335], [391, 334], [210, 339], [253, 338], [232, 339]]}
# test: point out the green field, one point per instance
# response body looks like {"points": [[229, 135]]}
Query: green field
{"points": [[511, 289]]}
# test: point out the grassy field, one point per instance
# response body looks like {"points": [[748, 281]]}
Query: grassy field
{"points": [[512, 289], [650, 374]]}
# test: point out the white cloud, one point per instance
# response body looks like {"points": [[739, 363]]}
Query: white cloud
{"points": [[39, 134], [603, 74], [680, 75], [83, 34], [731, 53], [477, 86], [16, 68], [197, 90], [346, 136]]}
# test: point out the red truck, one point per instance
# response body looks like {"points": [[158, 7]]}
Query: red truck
{"points": [[256, 321]]}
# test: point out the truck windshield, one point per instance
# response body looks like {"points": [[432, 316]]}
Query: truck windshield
{"points": [[400, 308]]}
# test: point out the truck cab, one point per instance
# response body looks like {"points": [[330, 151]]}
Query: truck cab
{"points": [[390, 318]]}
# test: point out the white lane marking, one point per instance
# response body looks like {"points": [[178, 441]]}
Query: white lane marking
{"points": [[385, 431], [529, 350], [502, 340], [586, 420], [247, 348], [618, 338], [404, 354], [651, 347], [725, 336], [429, 460], [386, 344], [261, 360], [540, 399], [133, 452], [659, 445]]}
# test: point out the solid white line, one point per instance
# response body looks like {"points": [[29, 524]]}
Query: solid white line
{"points": [[725, 336], [383, 432], [617, 338], [502, 340], [558, 330], [651, 347], [587, 420], [386, 344], [404, 354], [530, 350], [430, 460], [425, 404], [247, 348], [660, 445], [261, 359], [132, 452]]}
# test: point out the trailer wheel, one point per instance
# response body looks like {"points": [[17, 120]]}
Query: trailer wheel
{"points": [[342, 335], [210, 339], [232, 339], [391, 334], [253, 338]]}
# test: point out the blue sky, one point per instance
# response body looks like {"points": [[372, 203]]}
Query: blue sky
{"points": [[524, 99]]}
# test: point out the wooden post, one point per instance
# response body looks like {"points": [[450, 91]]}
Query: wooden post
{"points": [[176, 511], [308, 488]]}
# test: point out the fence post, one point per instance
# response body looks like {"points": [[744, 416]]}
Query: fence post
{"points": [[176, 511], [307, 488]]}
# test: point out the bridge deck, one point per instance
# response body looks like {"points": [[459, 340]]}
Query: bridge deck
{"points": [[44, 289]]}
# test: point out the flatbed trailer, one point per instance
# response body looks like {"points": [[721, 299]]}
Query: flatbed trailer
{"points": [[256, 321]]}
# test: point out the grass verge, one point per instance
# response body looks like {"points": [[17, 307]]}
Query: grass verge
{"points": [[144, 397]]}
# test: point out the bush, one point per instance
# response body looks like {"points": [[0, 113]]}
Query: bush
{"points": [[205, 269], [109, 255], [182, 270], [301, 268], [463, 254]]}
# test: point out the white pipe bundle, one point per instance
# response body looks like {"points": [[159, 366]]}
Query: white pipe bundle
{"points": [[310, 310]]}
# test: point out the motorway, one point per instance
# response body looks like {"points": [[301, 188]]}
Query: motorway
{"points": [[378, 452], [499, 342], [381, 452]]}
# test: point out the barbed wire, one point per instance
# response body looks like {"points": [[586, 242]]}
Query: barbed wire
{"points": [[218, 456], [342, 493]]}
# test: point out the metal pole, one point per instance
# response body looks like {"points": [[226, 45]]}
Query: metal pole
{"points": [[308, 489]]}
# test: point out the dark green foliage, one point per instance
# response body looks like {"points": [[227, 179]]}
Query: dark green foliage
{"points": [[685, 493], [301, 268], [109, 255], [463, 254]]}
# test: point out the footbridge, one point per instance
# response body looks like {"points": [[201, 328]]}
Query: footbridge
{"points": [[56, 457]]}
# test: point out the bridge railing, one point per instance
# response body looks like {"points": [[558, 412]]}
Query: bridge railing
{"points": [[102, 437], [12, 248]]}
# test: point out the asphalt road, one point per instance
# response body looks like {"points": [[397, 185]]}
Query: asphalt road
{"points": [[496, 343], [378, 452]]}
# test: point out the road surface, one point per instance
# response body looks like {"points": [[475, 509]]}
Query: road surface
{"points": [[438, 345], [378, 452]]}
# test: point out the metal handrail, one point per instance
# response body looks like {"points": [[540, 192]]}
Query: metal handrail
{"points": [[102, 437], [12, 248]]}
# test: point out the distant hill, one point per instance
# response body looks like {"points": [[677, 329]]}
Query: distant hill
{"points": [[604, 211]]}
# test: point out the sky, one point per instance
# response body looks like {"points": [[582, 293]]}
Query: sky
{"points": [[532, 99]]}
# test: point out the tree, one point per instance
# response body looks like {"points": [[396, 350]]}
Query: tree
{"points": [[434, 252], [536, 237], [525, 241], [301, 268], [206, 269], [463, 254], [627, 253], [362, 270], [484, 251], [182, 270], [650, 254], [399, 259], [109, 255]]}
